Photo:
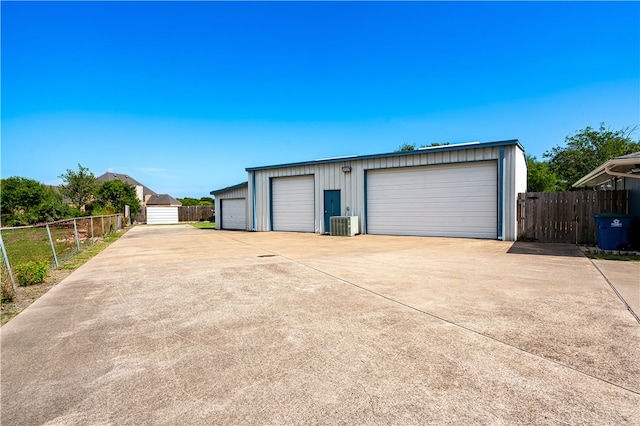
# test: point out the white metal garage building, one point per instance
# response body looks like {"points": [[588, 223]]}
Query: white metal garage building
{"points": [[162, 209], [231, 207], [465, 190]]}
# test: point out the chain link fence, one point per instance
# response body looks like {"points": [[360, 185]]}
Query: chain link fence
{"points": [[54, 242]]}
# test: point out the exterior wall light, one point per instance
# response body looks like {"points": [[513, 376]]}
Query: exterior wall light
{"points": [[346, 169]]}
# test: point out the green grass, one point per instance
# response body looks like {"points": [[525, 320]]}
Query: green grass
{"points": [[7, 315], [612, 256], [204, 225], [28, 244], [32, 244], [92, 250], [26, 295]]}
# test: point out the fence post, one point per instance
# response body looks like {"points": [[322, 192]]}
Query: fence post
{"points": [[53, 248], [92, 241], [6, 262], [102, 219], [75, 231]]}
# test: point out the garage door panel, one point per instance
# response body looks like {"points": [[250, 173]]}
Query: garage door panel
{"points": [[457, 200], [234, 213], [445, 188], [293, 204], [165, 215]]}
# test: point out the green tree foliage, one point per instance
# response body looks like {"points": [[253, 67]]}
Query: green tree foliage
{"points": [[406, 147], [79, 186], [203, 201], [26, 202], [52, 207], [540, 178], [412, 146], [117, 194], [588, 149], [20, 200]]}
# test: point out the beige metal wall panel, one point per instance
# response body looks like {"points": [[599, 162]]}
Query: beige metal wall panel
{"points": [[515, 182], [329, 176]]}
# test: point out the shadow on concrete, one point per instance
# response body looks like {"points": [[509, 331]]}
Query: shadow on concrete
{"points": [[545, 249]]}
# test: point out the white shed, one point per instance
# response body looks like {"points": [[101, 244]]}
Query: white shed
{"points": [[162, 209], [231, 207], [465, 190]]}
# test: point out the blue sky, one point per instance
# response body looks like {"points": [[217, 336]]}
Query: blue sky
{"points": [[183, 96]]}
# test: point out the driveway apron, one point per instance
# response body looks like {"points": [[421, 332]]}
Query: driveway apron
{"points": [[173, 324]]}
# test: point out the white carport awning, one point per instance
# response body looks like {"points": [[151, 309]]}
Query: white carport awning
{"points": [[625, 166]]}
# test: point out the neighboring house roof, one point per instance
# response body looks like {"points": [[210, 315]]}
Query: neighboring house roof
{"points": [[229, 188], [625, 166], [127, 179], [439, 148], [163, 200]]}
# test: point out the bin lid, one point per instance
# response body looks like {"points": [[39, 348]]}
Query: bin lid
{"points": [[598, 215]]}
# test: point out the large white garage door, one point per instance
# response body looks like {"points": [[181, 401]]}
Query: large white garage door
{"points": [[292, 204], [162, 215], [234, 213], [453, 200]]}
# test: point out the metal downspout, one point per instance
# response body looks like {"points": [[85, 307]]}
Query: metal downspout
{"points": [[501, 194], [253, 199]]}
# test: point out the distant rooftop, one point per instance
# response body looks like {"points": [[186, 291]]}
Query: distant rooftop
{"points": [[127, 179], [163, 200]]}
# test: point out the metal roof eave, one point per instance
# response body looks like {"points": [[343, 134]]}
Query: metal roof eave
{"points": [[605, 172], [443, 148], [595, 178], [229, 188]]}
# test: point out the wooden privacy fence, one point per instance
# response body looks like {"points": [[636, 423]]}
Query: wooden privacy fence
{"points": [[196, 213], [565, 217]]}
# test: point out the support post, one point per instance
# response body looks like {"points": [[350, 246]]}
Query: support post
{"points": [[6, 262], [53, 248], [75, 231]]}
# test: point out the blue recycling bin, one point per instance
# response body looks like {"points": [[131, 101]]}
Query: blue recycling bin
{"points": [[613, 230]]}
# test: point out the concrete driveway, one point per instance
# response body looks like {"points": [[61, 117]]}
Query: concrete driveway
{"points": [[175, 325]]}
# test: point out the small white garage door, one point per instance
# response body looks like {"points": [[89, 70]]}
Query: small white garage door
{"points": [[453, 200], [234, 213], [162, 215], [292, 204]]}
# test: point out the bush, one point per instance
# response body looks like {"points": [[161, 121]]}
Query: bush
{"points": [[101, 209], [6, 288], [31, 273]]}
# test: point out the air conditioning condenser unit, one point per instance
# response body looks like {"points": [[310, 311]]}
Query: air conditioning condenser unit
{"points": [[343, 226]]}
